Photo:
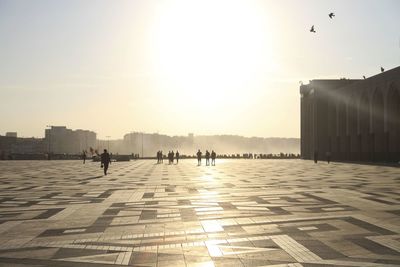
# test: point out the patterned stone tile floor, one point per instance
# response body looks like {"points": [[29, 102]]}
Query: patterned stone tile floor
{"points": [[238, 213]]}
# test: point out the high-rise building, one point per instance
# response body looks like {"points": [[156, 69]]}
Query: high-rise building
{"points": [[61, 140], [11, 134]]}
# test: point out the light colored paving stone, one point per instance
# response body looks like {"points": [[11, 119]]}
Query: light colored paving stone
{"points": [[241, 212]]}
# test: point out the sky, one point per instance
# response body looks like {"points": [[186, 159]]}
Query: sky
{"points": [[179, 67]]}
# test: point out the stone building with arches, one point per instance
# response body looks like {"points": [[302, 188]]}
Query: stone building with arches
{"points": [[352, 120]]}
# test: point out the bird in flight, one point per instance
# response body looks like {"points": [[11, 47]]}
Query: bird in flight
{"points": [[312, 29], [382, 69], [331, 15]]}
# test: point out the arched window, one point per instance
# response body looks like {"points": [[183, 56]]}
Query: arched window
{"points": [[332, 120], [377, 112], [393, 110], [364, 114], [342, 119], [352, 122]]}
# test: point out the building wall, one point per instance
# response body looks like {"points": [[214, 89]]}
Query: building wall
{"points": [[61, 140], [16, 145], [356, 120], [6, 144], [11, 134]]}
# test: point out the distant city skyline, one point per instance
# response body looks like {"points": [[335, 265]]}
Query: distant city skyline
{"points": [[175, 67], [62, 140], [105, 137]]}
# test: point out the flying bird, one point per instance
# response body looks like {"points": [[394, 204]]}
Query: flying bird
{"points": [[331, 15], [312, 29], [382, 69]]}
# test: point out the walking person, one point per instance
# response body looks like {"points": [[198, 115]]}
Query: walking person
{"points": [[84, 156], [213, 156], [207, 158], [158, 157], [161, 157], [328, 157], [105, 161], [172, 157], [177, 156], [198, 158], [315, 156]]}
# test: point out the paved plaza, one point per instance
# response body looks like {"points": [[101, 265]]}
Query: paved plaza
{"points": [[239, 213]]}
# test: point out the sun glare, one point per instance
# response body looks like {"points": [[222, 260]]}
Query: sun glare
{"points": [[211, 48]]}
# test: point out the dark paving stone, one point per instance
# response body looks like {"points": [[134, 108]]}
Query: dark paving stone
{"points": [[238, 213]]}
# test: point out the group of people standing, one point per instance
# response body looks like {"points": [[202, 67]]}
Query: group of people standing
{"points": [[171, 156], [213, 155], [175, 156]]}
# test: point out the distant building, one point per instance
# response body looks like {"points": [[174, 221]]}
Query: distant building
{"points": [[11, 145], [6, 143], [133, 142], [85, 139], [355, 120], [28, 146], [11, 134], [61, 140]]}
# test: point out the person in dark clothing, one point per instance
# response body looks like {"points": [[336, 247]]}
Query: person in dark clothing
{"points": [[158, 157], [177, 156], [105, 161], [315, 156], [198, 158], [161, 157], [213, 156], [328, 157], [207, 158], [172, 157], [84, 156]]}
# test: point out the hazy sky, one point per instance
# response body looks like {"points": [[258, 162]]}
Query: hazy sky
{"points": [[174, 67]]}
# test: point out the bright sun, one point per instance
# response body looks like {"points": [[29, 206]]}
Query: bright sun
{"points": [[211, 48]]}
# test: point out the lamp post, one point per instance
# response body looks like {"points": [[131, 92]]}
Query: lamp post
{"points": [[49, 146]]}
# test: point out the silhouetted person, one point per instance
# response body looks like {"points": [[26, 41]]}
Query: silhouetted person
{"points": [[328, 157], [158, 157], [84, 156], [207, 158], [213, 156], [331, 15], [382, 69], [161, 156], [312, 29], [105, 161], [172, 157], [198, 158], [315, 156], [364, 77], [177, 156]]}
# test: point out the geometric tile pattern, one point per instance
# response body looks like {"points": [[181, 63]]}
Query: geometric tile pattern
{"points": [[238, 213]]}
